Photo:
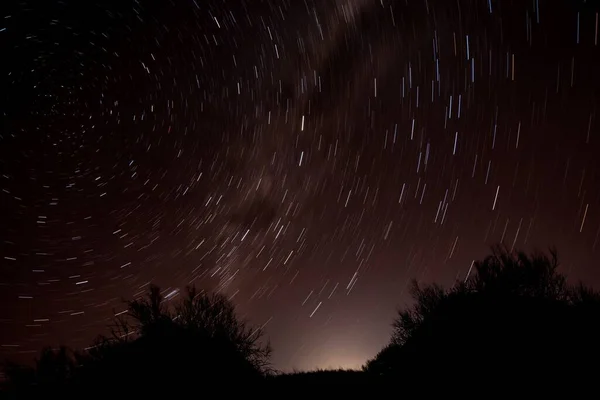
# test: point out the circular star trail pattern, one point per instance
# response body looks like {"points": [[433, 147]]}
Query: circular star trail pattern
{"points": [[306, 158]]}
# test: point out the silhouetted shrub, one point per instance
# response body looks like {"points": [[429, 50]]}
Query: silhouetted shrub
{"points": [[53, 370], [513, 315], [513, 320], [198, 341]]}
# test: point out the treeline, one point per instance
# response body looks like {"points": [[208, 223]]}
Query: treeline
{"points": [[514, 321]]}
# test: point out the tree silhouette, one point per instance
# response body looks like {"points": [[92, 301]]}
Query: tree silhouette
{"points": [[53, 370], [514, 314], [513, 320], [198, 340]]}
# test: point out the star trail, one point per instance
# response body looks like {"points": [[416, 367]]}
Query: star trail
{"points": [[306, 158]]}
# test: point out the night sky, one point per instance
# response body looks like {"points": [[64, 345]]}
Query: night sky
{"points": [[307, 158]]}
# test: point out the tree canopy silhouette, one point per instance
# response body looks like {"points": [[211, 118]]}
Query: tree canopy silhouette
{"points": [[197, 340], [513, 314]]}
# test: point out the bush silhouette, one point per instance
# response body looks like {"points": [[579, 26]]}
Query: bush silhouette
{"points": [[53, 371], [513, 320], [513, 315], [198, 341]]}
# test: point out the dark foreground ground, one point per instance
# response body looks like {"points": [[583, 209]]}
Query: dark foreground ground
{"points": [[323, 377]]}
